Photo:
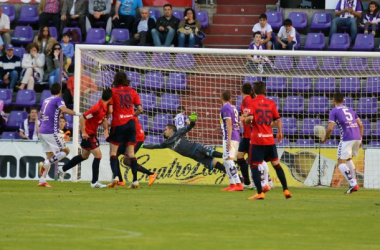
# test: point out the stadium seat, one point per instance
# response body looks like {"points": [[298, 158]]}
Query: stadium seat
{"points": [[144, 121], [275, 19], [6, 96], [374, 144], [9, 10], [160, 121], [348, 102], [366, 127], [364, 42], [276, 100], [154, 13], [315, 41], [135, 78], [154, 139], [367, 106], [178, 14], [307, 63], [372, 85], [137, 59], [119, 37], [105, 78], [169, 102], [276, 84], [22, 35], [15, 119], [94, 97], [184, 61], [297, 46], [325, 85], [239, 99], [19, 51], [320, 21], [45, 94], [10, 136], [25, 98], [301, 85], [340, 42], [176, 81], [375, 65], [66, 29], [95, 36], [299, 20], [294, 105], [304, 143], [69, 121], [284, 143], [148, 100], [330, 144], [154, 80], [308, 125], [202, 16], [318, 105], [284, 62], [332, 63], [349, 85], [161, 60], [28, 15], [289, 125], [376, 131], [251, 79]]}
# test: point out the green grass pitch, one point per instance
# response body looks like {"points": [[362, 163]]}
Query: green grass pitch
{"points": [[74, 216]]}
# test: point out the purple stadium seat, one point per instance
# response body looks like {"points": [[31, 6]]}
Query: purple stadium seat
{"points": [[19, 51], [161, 60], [148, 101], [9, 10], [136, 59], [96, 36], [284, 143], [349, 85], [366, 127], [274, 19], [176, 81], [297, 46], [28, 15], [10, 136], [15, 119], [332, 63], [184, 61], [294, 105], [169, 102], [153, 139], [66, 29], [284, 62], [178, 14], [364, 42], [69, 121], [374, 144], [202, 16], [239, 99], [276, 84], [105, 78], [289, 125], [376, 131], [23, 35], [301, 85], [372, 85], [154, 13], [318, 105], [94, 97], [309, 124], [315, 41], [304, 143], [340, 42], [135, 78], [348, 102], [299, 20], [367, 106], [45, 94], [119, 36], [307, 63], [375, 65], [160, 121], [320, 21], [25, 98], [330, 144], [6, 96], [251, 79], [357, 64], [53, 32], [144, 121], [276, 100], [154, 80], [325, 85]]}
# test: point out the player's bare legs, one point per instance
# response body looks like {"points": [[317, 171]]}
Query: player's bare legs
{"points": [[45, 165], [347, 168]]}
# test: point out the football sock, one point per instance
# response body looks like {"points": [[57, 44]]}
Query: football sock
{"points": [[143, 170], [256, 178], [95, 170], [281, 176], [73, 162], [57, 157], [44, 174], [233, 171], [266, 172], [227, 168], [244, 170], [119, 171], [220, 167], [262, 175], [114, 165], [217, 154], [270, 182], [134, 168], [347, 174], [350, 164]]}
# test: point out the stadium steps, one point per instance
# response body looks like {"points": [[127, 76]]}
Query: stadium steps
{"points": [[241, 9], [247, 2]]}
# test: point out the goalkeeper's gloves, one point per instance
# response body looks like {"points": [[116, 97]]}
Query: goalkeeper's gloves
{"points": [[193, 117]]}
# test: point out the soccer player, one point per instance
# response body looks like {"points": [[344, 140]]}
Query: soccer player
{"points": [[51, 140], [123, 126], [89, 123], [231, 137], [351, 133], [177, 141], [262, 113]]}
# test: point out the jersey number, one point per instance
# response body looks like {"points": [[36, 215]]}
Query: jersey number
{"points": [[236, 116], [263, 116], [347, 114], [125, 101]]}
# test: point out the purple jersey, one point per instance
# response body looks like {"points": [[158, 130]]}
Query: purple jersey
{"points": [[230, 112], [345, 118], [50, 112]]}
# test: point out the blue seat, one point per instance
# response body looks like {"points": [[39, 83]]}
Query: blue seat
{"points": [[161, 60], [154, 80], [9, 10], [149, 101], [320, 21], [184, 61], [284, 62], [304, 143], [154, 139], [251, 79], [299, 20], [169, 102], [176, 81], [274, 19], [25, 98], [309, 124], [202, 16], [318, 105], [283, 143], [301, 85], [294, 105], [276, 100], [135, 78], [239, 99], [15, 119], [307, 63], [374, 144], [325, 85], [45, 94], [289, 125], [348, 102], [364, 42], [10, 135], [22, 35], [332, 63], [96, 36], [144, 121], [160, 121], [372, 85], [28, 15], [376, 131], [315, 41], [154, 13], [6, 96], [178, 14], [119, 36], [276, 84], [19, 51], [367, 106], [340, 42], [330, 143], [356, 64], [137, 59], [350, 85]]}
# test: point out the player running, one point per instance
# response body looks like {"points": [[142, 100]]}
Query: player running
{"points": [[351, 133], [89, 123], [49, 134], [262, 113]]}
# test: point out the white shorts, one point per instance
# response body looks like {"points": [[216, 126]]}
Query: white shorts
{"points": [[232, 153], [52, 142], [348, 149]]}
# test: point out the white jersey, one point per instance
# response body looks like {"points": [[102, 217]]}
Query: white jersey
{"points": [[264, 31], [180, 120]]}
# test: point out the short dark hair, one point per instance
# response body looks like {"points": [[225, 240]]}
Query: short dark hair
{"points": [[263, 16], [172, 127], [186, 10], [259, 88], [107, 94], [62, 117], [226, 96], [182, 108], [256, 33], [121, 79], [168, 5], [338, 97], [65, 34], [55, 88], [246, 89], [287, 22], [32, 45]]}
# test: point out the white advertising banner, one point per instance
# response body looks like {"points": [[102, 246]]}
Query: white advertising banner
{"points": [[331, 4], [372, 168]]}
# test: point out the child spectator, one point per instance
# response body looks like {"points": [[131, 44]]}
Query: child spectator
{"points": [[257, 61], [30, 126], [266, 31], [33, 67], [372, 18], [68, 50], [286, 38]]}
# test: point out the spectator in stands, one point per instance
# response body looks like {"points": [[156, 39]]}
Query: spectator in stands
{"points": [[33, 64], [10, 67], [5, 27], [166, 28], [188, 29], [67, 49], [1, 45], [266, 31], [74, 10], [99, 10], [346, 12], [53, 66], [371, 18], [64, 128], [87, 86], [125, 12], [44, 41], [50, 10], [142, 28], [29, 127], [286, 38], [256, 61]]}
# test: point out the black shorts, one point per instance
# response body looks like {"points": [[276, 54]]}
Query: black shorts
{"points": [[123, 134], [244, 145], [202, 155], [122, 148], [258, 153], [91, 143]]}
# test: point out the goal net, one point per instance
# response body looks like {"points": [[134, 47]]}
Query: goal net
{"points": [[301, 83]]}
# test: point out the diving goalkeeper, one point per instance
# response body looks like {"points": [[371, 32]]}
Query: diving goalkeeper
{"points": [[177, 141]]}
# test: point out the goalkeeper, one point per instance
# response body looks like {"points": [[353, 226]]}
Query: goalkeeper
{"points": [[177, 141]]}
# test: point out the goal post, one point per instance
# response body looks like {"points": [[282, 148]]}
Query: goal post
{"points": [[301, 83]]}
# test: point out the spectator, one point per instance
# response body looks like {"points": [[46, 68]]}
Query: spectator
{"points": [[33, 64], [68, 50], [142, 28], [30, 126], [188, 29], [64, 128], [87, 86], [372, 18], [99, 10], [53, 66], [266, 31], [74, 10], [257, 61], [5, 27], [44, 41], [347, 11], [125, 12], [10, 67], [50, 10], [286, 37], [166, 28]]}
